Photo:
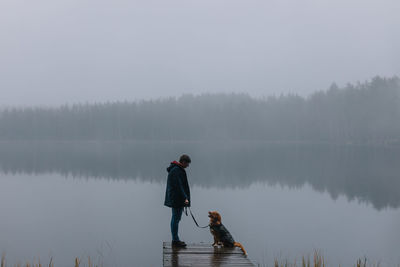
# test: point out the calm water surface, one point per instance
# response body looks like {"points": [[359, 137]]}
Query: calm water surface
{"points": [[104, 200]]}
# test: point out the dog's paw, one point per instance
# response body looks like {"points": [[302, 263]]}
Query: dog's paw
{"points": [[215, 245]]}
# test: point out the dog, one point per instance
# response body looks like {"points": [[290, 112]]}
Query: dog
{"points": [[220, 233]]}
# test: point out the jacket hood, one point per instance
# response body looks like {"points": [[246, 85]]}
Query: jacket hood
{"points": [[173, 164]]}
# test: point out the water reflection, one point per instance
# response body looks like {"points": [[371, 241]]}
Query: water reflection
{"points": [[368, 174]]}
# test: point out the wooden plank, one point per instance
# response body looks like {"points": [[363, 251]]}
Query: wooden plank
{"points": [[202, 255], [202, 246], [190, 250]]}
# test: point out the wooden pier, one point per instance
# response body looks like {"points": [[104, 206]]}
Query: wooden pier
{"points": [[203, 254]]}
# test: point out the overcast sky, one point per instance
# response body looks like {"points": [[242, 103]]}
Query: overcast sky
{"points": [[65, 51]]}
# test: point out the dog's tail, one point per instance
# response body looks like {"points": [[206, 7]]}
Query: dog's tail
{"points": [[237, 244]]}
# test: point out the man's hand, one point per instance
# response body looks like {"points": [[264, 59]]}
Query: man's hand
{"points": [[186, 202]]}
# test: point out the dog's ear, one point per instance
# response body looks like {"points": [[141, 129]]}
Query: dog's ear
{"points": [[219, 218]]}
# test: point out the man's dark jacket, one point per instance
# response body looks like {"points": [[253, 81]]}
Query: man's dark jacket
{"points": [[177, 186]]}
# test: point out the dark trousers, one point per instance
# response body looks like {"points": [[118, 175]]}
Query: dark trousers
{"points": [[176, 217]]}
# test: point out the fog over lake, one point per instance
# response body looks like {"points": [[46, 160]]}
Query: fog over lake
{"points": [[69, 51], [289, 110], [280, 200]]}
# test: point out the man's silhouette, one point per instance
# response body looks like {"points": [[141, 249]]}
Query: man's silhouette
{"points": [[177, 195]]}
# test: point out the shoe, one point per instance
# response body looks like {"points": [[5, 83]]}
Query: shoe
{"points": [[178, 244], [182, 243]]}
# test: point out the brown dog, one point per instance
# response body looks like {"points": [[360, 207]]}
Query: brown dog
{"points": [[220, 233]]}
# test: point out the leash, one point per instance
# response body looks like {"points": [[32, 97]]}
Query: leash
{"points": [[190, 210]]}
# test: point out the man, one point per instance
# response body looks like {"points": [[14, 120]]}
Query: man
{"points": [[177, 195]]}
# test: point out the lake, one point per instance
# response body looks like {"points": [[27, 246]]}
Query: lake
{"points": [[63, 200]]}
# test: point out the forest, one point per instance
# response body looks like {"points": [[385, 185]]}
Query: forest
{"points": [[367, 112]]}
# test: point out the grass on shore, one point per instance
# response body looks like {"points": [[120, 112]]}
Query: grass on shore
{"points": [[78, 263], [318, 261]]}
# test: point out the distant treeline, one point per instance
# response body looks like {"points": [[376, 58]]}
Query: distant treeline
{"points": [[365, 112]]}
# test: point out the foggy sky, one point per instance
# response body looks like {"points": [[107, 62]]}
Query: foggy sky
{"points": [[66, 51]]}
